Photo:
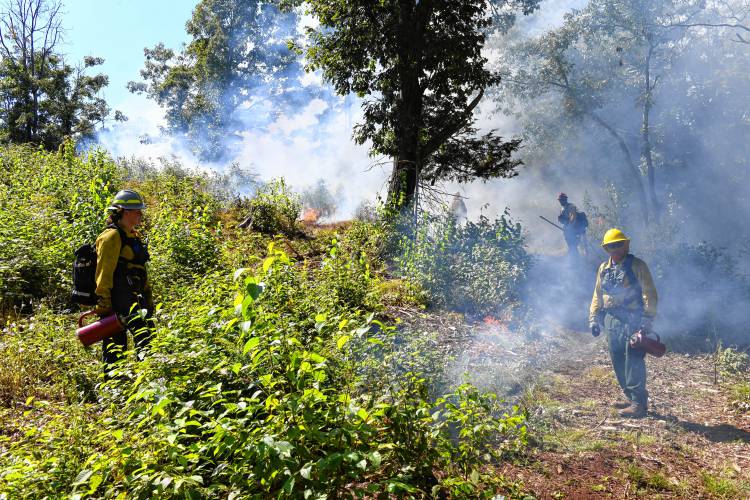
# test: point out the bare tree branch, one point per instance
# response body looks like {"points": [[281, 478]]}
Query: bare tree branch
{"points": [[709, 25]]}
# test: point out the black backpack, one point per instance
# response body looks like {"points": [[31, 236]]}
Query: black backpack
{"points": [[582, 222], [84, 272]]}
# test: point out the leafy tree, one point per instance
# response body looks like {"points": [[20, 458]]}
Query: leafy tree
{"points": [[730, 15], [44, 100], [237, 56], [644, 32], [558, 82], [421, 66], [602, 55]]}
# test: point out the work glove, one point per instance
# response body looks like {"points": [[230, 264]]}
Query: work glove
{"points": [[595, 330], [103, 307]]}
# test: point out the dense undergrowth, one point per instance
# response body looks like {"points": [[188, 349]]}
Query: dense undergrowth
{"points": [[477, 268], [275, 369]]}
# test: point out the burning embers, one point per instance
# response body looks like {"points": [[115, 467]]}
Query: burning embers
{"points": [[498, 324], [311, 216], [492, 321]]}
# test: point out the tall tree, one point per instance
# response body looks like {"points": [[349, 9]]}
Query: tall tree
{"points": [[605, 53], [237, 57], [648, 40], [43, 100], [561, 64], [420, 65]]}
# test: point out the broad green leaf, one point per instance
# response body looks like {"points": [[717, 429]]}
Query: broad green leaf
{"points": [[254, 290], [94, 482], [238, 273], [306, 471], [251, 344], [268, 262], [341, 342]]}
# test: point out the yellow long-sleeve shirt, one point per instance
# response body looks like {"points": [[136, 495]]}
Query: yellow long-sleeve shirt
{"points": [[601, 300], [109, 249]]}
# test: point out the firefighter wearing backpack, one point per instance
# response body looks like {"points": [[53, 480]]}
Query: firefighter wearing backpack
{"points": [[624, 301], [574, 224], [121, 282]]}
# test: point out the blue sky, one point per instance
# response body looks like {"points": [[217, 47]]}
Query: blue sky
{"points": [[118, 30]]}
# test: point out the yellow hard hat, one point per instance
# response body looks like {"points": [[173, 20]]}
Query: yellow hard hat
{"points": [[614, 236]]}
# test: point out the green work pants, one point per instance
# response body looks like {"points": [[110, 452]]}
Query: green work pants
{"points": [[629, 364]]}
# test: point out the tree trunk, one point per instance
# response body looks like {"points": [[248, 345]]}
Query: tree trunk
{"points": [[646, 135], [406, 165], [636, 175], [34, 80]]}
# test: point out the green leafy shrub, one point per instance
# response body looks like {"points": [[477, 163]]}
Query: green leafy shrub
{"points": [[50, 203], [347, 279], [733, 362], [264, 397], [182, 226], [365, 237], [484, 431], [478, 267], [279, 383], [42, 360], [275, 208]]}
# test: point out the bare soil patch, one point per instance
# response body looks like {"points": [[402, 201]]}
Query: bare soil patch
{"points": [[693, 444]]}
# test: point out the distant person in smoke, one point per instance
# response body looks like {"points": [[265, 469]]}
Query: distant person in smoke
{"points": [[458, 208], [624, 301], [574, 224]]}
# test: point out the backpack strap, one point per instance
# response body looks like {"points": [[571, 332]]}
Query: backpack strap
{"points": [[123, 237], [627, 267]]}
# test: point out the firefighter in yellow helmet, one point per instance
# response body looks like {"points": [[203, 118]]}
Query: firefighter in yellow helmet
{"points": [[624, 301], [121, 282]]}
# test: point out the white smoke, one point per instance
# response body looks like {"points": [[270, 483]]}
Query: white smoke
{"points": [[316, 141], [303, 146]]}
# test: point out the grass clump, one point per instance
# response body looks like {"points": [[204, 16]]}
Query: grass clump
{"points": [[647, 481], [720, 487]]}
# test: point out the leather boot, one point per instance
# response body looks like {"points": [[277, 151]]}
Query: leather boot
{"points": [[622, 404], [635, 410]]}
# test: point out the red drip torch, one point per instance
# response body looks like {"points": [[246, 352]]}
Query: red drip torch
{"points": [[642, 342], [98, 330]]}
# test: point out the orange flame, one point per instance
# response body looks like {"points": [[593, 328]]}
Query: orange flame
{"points": [[310, 216], [490, 320]]}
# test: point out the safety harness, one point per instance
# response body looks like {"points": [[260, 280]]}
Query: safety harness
{"points": [[613, 283], [131, 274]]}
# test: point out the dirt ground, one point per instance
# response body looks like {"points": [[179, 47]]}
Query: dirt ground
{"points": [[694, 443]]}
